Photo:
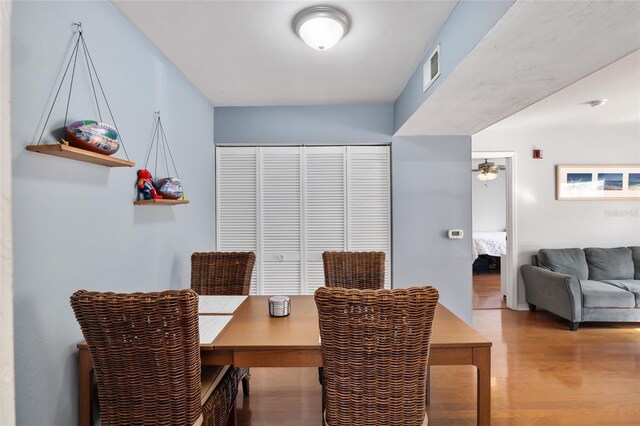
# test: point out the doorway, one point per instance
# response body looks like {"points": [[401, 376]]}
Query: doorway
{"points": [[493, 230]]}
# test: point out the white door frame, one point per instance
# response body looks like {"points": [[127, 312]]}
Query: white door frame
{"points": [[512, 244], [7, 372]]}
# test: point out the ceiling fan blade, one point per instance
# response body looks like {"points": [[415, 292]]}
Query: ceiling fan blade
{"points": [[490, 168]]}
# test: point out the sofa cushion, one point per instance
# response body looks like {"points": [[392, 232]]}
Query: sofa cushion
{"points": [[598, 294], [609, 263], [569, 261], [635, 255], [632, 286]]}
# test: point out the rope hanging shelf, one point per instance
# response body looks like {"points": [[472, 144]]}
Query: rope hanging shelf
{"points": [[160, 192], [85, 140], [160, 202]]}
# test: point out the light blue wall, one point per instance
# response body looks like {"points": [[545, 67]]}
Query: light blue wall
{"points": [[466, 26], [74, 223], [326, 124], [432, 194]]}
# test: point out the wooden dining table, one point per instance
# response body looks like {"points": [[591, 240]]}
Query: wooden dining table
{"points": [[255, 339]]}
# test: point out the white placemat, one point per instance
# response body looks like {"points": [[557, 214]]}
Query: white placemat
{"points": [[211, 326], [219, 304]]}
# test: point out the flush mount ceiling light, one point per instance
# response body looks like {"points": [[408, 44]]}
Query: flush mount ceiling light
{"points": [[321, 27]]}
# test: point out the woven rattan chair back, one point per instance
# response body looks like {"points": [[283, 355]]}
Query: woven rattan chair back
{"points": [[146, 354], [375, 349], [356, 270], [222, 273]]}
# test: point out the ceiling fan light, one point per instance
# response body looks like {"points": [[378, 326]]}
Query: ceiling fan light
{"points": [[488, 171], [482, 177], [321, 27]]}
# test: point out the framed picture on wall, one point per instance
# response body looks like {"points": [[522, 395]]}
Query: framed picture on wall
{"points": [[598, 182]]}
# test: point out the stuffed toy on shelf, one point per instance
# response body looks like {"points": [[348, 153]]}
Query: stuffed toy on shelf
{"points": [[146, 186]]}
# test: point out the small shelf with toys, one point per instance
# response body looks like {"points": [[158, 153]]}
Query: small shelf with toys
{"points": [[166, 191], [160, 202], [66, 151]]}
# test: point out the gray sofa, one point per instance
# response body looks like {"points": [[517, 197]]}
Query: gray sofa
{"points": [[594, 284]]}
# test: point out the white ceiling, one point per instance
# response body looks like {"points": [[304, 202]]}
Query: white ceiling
{"points": [[240, 53], [619, 83], [536, 49]]}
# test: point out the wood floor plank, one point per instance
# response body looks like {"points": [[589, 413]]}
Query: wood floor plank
{"points": [[542, 374], [486, 291]]}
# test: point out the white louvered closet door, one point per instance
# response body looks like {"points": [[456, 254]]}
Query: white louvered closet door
{"points": [[369, 201], [289, 204], [324, 201], [281, 211], [236, 206]]}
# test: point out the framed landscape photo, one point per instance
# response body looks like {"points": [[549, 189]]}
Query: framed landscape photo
{"points": [[598, 182]]}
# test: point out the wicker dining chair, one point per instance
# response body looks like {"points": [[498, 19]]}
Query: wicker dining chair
{"points": [[375, 349], [362, 270], [146, 354], [352, 269], [224, 274]]}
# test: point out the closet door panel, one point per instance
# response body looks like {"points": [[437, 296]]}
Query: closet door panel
{"points": [[369, 201], [281, 211], [236, 202], [325, 201]]}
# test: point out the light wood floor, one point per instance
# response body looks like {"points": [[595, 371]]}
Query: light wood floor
{"points": [[486, 291], [542, 374]]}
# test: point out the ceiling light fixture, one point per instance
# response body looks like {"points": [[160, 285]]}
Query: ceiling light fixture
{"points": [[488, 171], [597, 102], [321, 27], [485, 176]]}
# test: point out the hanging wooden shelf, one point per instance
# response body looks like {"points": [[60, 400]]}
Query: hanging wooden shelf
{"points": [[162, 202], [66, 151]]}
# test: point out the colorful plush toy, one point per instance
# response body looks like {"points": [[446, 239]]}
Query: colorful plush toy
{"points": [[146, 186]]}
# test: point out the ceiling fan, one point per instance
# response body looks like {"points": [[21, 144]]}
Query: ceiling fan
{"points": [[488, 171]]}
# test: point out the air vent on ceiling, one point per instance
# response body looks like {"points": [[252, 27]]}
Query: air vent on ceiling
{"points": [[431, 69]]}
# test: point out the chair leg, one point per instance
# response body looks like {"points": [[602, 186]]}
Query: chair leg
{"points": [[245, 385], [321, 379], [232, 419], [532, 307], [428, 387], [574, 326]]}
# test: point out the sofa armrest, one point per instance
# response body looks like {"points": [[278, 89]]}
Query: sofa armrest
{"points": [[553, 291]]}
